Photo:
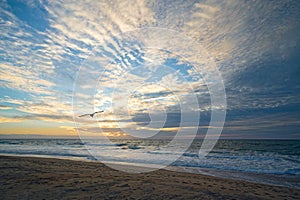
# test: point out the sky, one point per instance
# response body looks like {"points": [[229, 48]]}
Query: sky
{"points": [[153, 67]]}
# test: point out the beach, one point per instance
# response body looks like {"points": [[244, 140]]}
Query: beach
{"points": [[49, 178]]}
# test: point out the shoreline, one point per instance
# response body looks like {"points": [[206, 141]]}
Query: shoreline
{"points": [[252, 177], [52, 178]]}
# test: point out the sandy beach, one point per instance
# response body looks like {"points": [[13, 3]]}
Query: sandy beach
{"points": [[48, 178]]}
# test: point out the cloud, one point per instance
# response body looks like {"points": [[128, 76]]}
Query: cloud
{"points": [[22, 79], [69, 129], [85, 24], [240, 24], [3, 107], [38, 117], [11, 119], [40, 62], [278, 122], [46, 109]]}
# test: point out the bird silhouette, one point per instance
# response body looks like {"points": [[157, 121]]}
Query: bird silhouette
{"points": [[92, 114]]}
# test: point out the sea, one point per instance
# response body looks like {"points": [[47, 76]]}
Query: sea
{"points": [[274, 162]]}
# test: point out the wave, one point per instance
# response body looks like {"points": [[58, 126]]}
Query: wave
{"points": [[246, 156], [61, 154]]}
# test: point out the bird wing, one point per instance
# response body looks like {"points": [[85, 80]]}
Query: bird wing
{"points": [[97, 113], [101, 111], [84, 115]]}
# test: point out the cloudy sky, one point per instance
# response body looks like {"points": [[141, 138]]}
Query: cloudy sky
{"points": [[154, 67]]}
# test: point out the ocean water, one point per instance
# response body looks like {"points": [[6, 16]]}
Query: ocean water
{"points": [[275, 162]]}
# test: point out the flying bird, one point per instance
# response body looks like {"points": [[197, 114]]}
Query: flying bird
{"points": [[92, 114]]}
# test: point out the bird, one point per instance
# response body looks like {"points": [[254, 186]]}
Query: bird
{"points": [[92, 114]]}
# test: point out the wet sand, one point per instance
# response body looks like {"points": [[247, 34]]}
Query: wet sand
{"points": [[48, 178]]}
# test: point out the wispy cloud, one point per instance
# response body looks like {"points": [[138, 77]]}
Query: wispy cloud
{"points": [[2, 107], [254, 45]]}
